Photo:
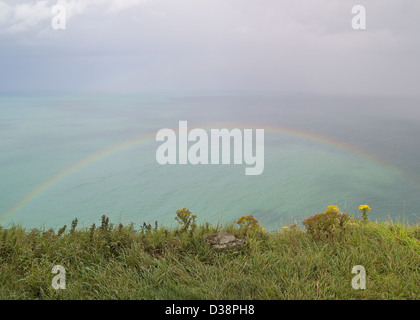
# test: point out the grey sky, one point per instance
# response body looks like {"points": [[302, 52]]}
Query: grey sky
{"points": [[210, 45]]}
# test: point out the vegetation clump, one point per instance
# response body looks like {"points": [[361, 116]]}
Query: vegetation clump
{"points": [[327, 225], [186, 219], [249, 223]]}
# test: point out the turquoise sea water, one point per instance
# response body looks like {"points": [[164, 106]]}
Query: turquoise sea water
{"points": [[57, 159]]}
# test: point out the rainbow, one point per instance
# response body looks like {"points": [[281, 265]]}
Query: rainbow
{"points": [[70, 170], [151, 137]]}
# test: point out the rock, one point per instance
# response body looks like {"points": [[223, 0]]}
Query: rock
{"points": [[223, 240]]}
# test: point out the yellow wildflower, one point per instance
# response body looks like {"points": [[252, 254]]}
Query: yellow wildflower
{"points": [[333, 208], [364, 208]]}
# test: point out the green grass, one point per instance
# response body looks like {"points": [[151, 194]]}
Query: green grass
{"points": [[121, 262]]}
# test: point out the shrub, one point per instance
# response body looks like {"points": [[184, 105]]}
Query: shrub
{"points": [[249, 223], [186, 220], [327, 224]]}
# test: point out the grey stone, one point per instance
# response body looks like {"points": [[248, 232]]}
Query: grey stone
{"points": [[223, 241]]}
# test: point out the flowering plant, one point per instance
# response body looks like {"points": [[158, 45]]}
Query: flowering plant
{"points": [[365, 209], [249, 222], [186, 219]]}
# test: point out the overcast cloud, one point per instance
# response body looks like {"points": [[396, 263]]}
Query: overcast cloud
{"points": [[210, 45]]}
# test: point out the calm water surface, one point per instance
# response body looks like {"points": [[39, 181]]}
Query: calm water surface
{"points": [[83, 156]]}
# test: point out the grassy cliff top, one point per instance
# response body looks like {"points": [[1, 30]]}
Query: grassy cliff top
{"points": [[122, 262]]}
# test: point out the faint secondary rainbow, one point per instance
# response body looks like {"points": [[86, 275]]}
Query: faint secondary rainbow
{"points": [[151, 137]]}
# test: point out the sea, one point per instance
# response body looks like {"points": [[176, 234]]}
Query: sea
{"points": [[67, 156]]}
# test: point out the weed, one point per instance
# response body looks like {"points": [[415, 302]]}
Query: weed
{"points": [[326, 225]]}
